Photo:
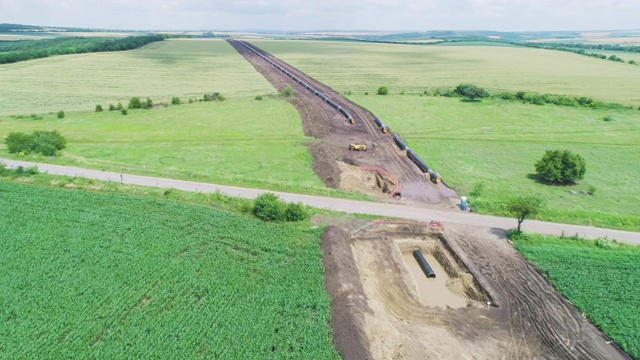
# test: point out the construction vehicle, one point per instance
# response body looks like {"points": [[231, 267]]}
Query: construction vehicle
{"points": [[357, 147]]}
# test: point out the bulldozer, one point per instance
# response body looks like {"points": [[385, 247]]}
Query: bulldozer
{"points": [[357, 147]]}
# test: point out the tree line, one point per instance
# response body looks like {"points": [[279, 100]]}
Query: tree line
{"points": [[21, 50]]}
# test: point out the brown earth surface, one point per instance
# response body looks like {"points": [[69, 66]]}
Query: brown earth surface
{"points": [[486, 302]]}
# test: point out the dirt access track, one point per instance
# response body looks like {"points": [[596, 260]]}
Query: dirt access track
{"points": [[486, 301], [376, 171]]}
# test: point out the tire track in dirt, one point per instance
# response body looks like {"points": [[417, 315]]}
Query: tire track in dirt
{"points": [[543, 322], [323, 122]]}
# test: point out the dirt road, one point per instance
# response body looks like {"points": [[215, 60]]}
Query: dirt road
{"points": [[398, 210]]}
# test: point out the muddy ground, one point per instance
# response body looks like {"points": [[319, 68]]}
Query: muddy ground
{"points": [[486, 301]]}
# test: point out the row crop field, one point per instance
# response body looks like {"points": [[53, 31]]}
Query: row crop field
{"points": [[99, 275], [360, 67], [601, 278]]}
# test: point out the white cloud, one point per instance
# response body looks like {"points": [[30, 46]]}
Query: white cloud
{"points": [[502, 15]]}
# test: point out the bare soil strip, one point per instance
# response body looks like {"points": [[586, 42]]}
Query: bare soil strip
{"points": [[336, 165]]}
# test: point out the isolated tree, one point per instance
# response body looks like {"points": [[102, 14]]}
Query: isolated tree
{"points": [[471, 92], [524, 206], [99, 108], [561, 167], [175, 100], [383, 90], [60, 114]]}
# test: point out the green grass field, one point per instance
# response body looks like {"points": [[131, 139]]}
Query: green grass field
{"points": [[496, 143], [178, 67], [239, 141], [87, 274], [600, 277], [364, 67]]}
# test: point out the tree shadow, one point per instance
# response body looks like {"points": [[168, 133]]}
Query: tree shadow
{"points": [[502, 233], [540, 180]]}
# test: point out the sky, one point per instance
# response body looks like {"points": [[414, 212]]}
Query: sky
{"points": [[308, 15]]}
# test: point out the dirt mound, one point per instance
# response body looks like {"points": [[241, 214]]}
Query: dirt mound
{"points": [[364, 179]]}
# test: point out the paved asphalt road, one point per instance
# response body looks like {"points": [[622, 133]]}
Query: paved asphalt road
{"points": [[350, 206]]}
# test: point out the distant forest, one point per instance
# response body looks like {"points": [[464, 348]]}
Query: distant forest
{"points": [[21, 50]]}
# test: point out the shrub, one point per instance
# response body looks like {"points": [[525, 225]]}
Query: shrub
{"points": [[471, 92], [221, 97], [135, 103], [402, 92], [190, 101], [268, 207], [207, 97], [367, 93], [561, 167], [295, 212], [18, 142], [3, 169], [591, 190], [148, 104], [119, 107], [60, 114], [632, 62], [259, 97], [288, 91], [99, 108], [478, 188], [608, 118], [175, 100], [47, 143], [124, 112], [383, 90]]}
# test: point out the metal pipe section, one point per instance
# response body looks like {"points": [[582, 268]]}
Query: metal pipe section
{"points": [[417, 254], [299, 81], [400, 143]]}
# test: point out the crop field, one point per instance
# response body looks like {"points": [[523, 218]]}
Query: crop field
{"points": [[87, 274], [496, 143], [361, 67], [239, 141], [178, 67], [600, 277]]}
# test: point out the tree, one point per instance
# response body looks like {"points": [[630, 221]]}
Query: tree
{"points": [[175, 100], [47, 143], [524, 206], [60, 114], [148, 104], [561, 167], [383, 90], [99, 108], [471, 92], [18, 142]]}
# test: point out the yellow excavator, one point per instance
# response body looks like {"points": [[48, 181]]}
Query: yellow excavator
{"points": [[357, 147]]}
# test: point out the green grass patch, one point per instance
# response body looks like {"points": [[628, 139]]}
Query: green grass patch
{"points": [[496, 143], [600, 277], [161, 70], [89, 274], [361, 67]]}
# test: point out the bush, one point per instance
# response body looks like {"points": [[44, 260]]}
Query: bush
{"points": [[207, 97], [478, 188], [124, 112], [268, 207], [18, 142], [259, 97], [383, 90], [561, 167], [47, 143], [3, 169], [608, 118], [148, 104], [288, 91], [221, 97], [190, 101], [135, 103], [60, 114], [175, 100], [119, 107], [367, 93], [632, 62], [99, 108], [471, 92], [295, 212]]}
